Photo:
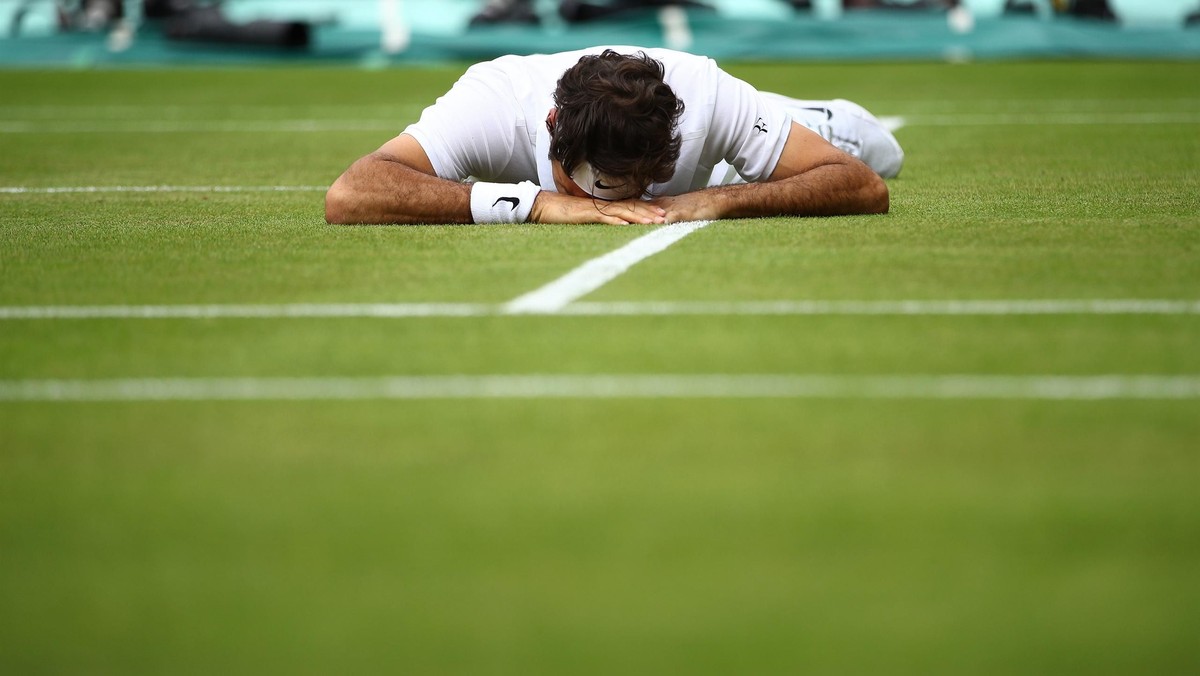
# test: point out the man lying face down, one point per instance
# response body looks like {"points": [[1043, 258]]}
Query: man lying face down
{"points": [[619, 135]]}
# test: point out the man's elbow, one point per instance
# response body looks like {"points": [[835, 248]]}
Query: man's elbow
{"points": [[878, 200], [338, 206]]}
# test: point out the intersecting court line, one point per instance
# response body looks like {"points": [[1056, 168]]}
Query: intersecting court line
{"points": [[548, 299], [607, 386], [599, 271]]}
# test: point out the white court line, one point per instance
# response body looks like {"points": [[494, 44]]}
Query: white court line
{"points": [[193, 126], [890, 307], [261, 112], [916, 308], [284, 311], [599, 271], [610, 386], [1050, 119], [21, 190]]}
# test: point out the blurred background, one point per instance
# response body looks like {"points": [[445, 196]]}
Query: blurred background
{"points": [[83, 33], [160, 153]]}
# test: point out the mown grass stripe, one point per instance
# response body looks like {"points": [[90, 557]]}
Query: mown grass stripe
{"points": [[610, 386]]}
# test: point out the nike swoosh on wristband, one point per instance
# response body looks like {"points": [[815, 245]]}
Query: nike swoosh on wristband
{"points": [[514, 201]]}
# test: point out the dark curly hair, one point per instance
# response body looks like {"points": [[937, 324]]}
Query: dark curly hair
{"points": [[616, 113]]}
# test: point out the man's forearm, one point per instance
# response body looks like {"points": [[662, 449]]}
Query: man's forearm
{"points": [[379, 190], [828, 190]]}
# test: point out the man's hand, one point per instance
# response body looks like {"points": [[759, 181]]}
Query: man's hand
{"points": [[552, 207], [704, 205]]}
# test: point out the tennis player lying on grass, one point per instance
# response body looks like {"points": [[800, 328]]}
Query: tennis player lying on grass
{"points": [[627, 135]]}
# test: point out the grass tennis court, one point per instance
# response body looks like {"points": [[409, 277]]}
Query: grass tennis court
{"points": [[911, 499]]}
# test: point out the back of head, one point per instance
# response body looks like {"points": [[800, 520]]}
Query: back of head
{"points": [[617, 114]]}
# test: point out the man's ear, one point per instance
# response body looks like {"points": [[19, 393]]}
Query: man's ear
{"points": [[551, 118]]}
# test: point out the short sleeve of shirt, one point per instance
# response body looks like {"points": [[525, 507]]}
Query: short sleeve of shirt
{"points": [[471, 130], [749, 129]]}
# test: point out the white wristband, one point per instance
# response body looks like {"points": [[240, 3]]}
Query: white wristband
{"points": [[503, 202]]}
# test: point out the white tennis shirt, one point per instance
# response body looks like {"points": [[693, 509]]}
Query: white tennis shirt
{"points": [[491, 125]]}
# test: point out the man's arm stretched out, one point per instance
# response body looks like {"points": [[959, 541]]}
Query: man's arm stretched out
{"points": [[615, 118], [397, 184], [812, 178]]}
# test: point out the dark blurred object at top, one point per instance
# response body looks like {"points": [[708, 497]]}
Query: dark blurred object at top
{"points": [[1097, 9], [189, 20], [506, 11], [573, 11], [88, 15], [185, 20], [577, 11], [1093, 9]]}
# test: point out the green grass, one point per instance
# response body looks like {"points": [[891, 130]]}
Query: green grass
{"points": [[601, 536]]}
